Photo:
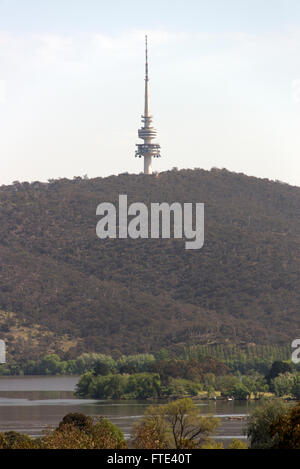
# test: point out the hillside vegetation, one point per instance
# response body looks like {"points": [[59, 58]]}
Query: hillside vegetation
{"points": [[80, 293]]}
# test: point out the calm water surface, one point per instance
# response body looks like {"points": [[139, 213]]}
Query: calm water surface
{"points": [[30, 404]]}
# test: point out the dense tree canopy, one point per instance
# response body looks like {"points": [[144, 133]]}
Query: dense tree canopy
{"points": [[64, 290]]}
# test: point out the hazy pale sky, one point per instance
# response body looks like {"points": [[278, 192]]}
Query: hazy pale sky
{"points": [[224, 86]]}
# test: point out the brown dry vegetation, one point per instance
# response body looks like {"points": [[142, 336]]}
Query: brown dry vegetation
{"points": [[80, 293]]}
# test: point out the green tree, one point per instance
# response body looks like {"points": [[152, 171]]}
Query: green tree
{"points": [[115, 386], [240, 391], [285, 431], [255, 383], [150, 433], [78, 420], [88, 361], [295, 391], [102, 369], [135, 363], [15, 440], [283, 384], [52, 365], [82, 388], [106, 435], [259, 422], [143, 385], [278, 367], [226, 384], [209, 380], [177, 424], [77, 431], [67, 437]]}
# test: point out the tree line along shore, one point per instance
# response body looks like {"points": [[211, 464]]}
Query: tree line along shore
{"points": [[196, 371]]}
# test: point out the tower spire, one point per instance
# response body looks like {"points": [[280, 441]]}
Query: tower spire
{"points": [[147, 132], [146, 79]]}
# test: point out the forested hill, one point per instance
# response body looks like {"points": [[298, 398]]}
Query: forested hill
{"points": [[64, 289]]}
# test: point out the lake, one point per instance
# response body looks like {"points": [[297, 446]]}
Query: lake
{"points": [[30, 404]]}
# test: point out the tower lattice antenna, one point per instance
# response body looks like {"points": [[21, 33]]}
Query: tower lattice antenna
{"points": [[146, 57]]}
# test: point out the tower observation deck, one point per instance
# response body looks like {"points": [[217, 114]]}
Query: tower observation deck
{"points": [[147, 132]]}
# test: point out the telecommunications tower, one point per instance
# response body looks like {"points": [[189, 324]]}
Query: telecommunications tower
{"points": [[147, 132]]}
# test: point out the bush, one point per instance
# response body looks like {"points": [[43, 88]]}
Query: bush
{"points": [[259, 422], [77, 431]]}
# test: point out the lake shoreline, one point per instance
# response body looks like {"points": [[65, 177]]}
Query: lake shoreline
{"points": [[27, 410]]}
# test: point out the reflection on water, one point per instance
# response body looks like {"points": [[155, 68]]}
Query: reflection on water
{"points": [[30, 404], [38, 383]]}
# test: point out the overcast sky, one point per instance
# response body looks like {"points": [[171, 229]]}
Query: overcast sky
{"points": [[224, 86]]}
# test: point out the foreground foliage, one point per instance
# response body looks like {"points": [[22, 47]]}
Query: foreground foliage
{"points": [[260, 422], [285, 430], [177, 424], [75, 431]]}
